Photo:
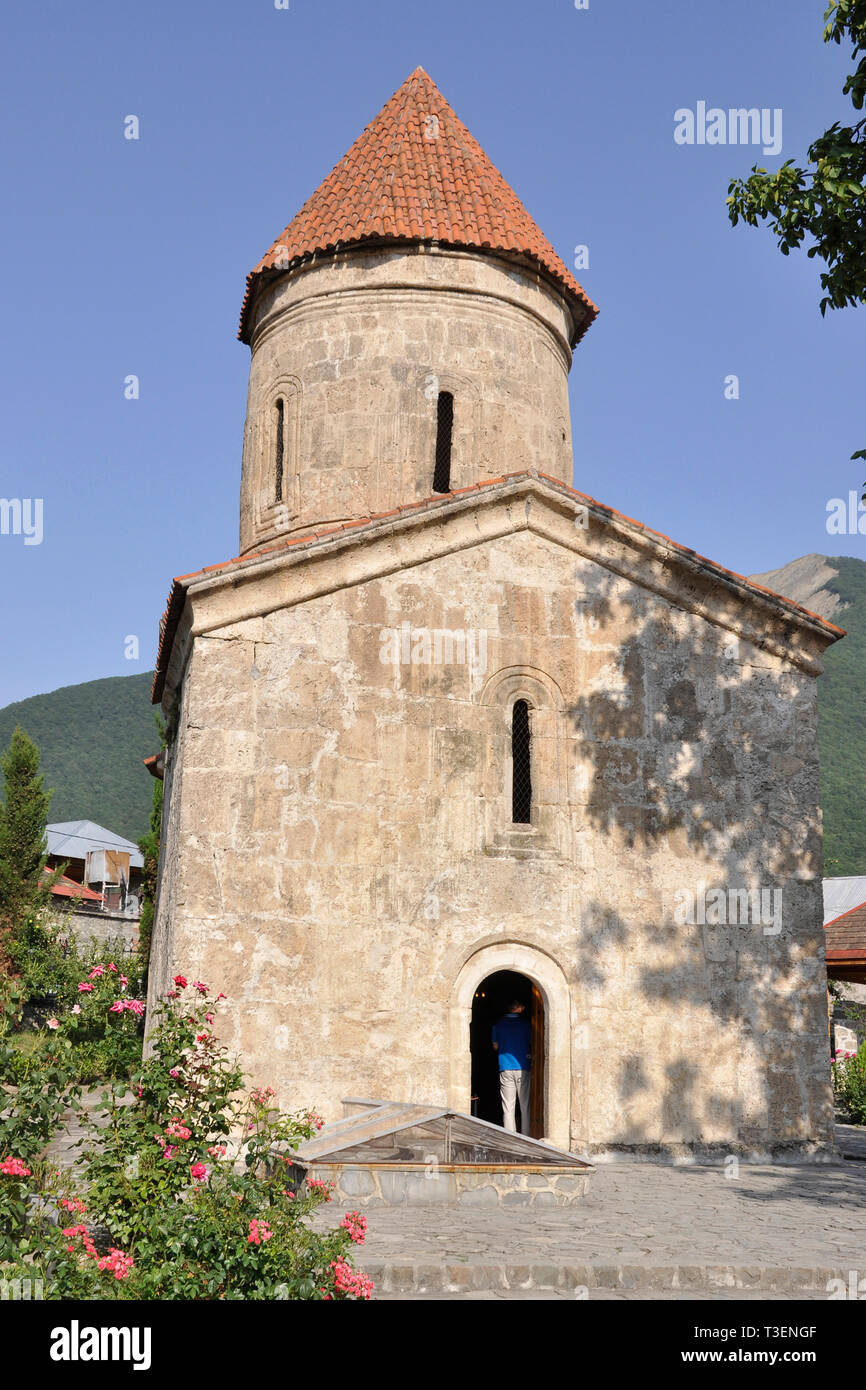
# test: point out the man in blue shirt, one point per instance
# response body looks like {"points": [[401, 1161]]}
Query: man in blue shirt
{"points": [[512, 1037]]}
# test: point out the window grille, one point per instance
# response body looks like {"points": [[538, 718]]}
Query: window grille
{"points": [[280, 409], [444, 427], [521, 790]]}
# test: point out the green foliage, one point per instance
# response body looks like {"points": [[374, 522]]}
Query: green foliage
{"points": [[193, 1178], [12, 1000], [149, 846], [45, 1087], [47, 968], [841, 729], [827, 201], [52, 972], [23, 850], [92, 740], [849, 1084]]}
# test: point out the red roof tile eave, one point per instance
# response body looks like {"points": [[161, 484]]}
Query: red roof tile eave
{"points": [[171, 615]]}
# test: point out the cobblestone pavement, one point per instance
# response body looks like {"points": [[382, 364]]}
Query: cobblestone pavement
{"points": [[643, 1230], [639, 1213]]}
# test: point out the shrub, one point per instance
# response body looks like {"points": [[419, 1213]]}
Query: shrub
{"points": [[39, 1088], [192, 1176], [80, 990], [849, 1083]]}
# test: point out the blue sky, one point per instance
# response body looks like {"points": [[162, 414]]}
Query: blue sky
{"points": [[128, 257]]}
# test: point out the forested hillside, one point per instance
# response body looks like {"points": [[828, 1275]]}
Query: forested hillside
{"points": [[842, 728], [92, 739], [835, 587]]}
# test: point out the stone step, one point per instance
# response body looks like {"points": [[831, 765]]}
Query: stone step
{"points": [[580, 1282]]}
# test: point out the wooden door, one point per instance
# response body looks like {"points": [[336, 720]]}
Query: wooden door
{"points": [[536, 1095]]}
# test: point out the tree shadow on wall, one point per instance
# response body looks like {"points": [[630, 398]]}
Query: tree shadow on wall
{"points": [[694, 747]]}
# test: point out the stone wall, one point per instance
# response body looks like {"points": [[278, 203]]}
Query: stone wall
{"points": [[102, 927], [339, 855]]}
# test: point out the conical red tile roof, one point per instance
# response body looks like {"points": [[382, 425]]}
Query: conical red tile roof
{"points": [[416, 174]]}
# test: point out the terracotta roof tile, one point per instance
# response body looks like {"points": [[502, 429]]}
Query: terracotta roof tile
{"points": [[416, 174], [847, 933]]}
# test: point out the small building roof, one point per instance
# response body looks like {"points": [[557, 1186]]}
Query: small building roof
{"points": [[416, 174], [74, 839], [68, 888], [398, 1131], [843, 893], [845, 942]]}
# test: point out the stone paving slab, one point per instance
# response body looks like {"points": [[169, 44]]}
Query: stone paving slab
{"points": [[851, 1140], [776, 1229]]}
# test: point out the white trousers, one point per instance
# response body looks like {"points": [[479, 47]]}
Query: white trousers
{"points": [[514, 1086]]}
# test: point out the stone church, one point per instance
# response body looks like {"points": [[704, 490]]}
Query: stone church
{"points": [[448, 731]]}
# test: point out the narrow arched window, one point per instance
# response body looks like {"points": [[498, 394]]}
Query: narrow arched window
{"points": [[280, 446], [521, 786], [444, 425]]}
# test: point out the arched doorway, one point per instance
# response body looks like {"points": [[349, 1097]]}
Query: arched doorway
{"points": [[548, 976], [491, 1000]]}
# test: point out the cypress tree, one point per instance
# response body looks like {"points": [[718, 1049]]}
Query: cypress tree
{"points": [[23, 844]]}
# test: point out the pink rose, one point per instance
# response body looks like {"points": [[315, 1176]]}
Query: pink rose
{"points": [[85, 989], [96, 972], [117, 1007], [199, 1172], [52, 1023], [76, 1008], [14, 1168], [180, 980]]}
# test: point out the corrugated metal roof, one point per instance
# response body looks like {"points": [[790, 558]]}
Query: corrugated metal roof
{"points": [[841, 894], [73, 839]]}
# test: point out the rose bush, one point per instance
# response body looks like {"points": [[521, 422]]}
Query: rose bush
{"points": [[187, 1188], [76, 993], [849, 1083]]}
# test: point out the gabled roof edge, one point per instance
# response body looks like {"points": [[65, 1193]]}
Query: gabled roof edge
{"points": [[356, 530]]}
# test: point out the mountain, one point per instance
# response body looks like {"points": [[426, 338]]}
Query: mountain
{"points": [[92, 739], [835, 588]]}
